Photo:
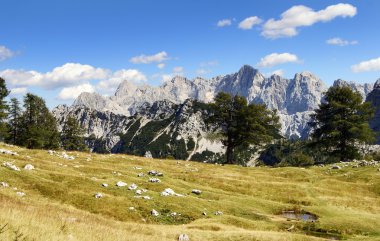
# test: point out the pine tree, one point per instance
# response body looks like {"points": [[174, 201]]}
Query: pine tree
{"points": [[39, 127], [241, 124], [4, 92], [342, 123], [14, 122], [72, 135]]}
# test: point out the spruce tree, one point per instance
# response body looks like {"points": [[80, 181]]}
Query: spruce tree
{"points": [[14, 122], [342, 123], [39, 127], [241, 124], [72, 135], [4, 92]]}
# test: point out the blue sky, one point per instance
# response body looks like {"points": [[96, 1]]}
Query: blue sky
{"points": [[57, 48]]}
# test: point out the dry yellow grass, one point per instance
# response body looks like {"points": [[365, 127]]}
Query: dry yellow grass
{"points": [[60, 204]]}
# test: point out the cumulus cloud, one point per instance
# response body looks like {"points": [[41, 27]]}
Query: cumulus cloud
{"points": [[249, 22], [276, 59], [366, 66], [109, 85], [224, 23], [341, 42], [299, 16], [70, 93], [19, 91], [65, 75], [147, 59], [5, 53]]}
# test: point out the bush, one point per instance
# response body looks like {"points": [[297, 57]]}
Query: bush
{"points": [[297, 160]]}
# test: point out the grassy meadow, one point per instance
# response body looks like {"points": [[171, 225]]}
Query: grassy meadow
{"points": [[60, 205]]}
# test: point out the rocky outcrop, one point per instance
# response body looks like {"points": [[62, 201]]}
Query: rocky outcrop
{"points": [[168, 121], [374, 98]]}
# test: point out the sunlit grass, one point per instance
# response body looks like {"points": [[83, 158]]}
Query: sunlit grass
{"points": [[60, 204]]}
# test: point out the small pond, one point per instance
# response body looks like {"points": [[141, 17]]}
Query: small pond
{"points": [[303, 216]]}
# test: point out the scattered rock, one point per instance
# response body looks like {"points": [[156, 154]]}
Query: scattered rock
{"points": [[204, 214], [196, 191], [131, 208], [183, 237], [121, 184], [173, 214], [147, 197], [104, 185], [155, 173], [168, 192], [336, 167], [217, 213], [20, 194], [11, 166], [138, 192], [51, 152], [154, 213], [148, 154], [132, 187], [67, 157], [137, 168], [4, 184], [98, 195], [140, 174], [28, 167], [8, 152], [154, 180]]}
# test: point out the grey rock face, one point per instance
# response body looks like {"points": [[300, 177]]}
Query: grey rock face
{"points": [[374, 98], [140, 118], [363, 89]]}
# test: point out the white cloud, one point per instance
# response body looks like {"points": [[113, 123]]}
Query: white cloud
{"points": [[298, 16], [65, 75], [341, 42], [202, 71], [147, 59], [209, 63], [70, 93], [5, 53], [365, 66], [109, 85], [249, 22], [178, 69], [161, 65], [276, 59], [19, 91], [278, 72], [224, 23], [166, 77]]}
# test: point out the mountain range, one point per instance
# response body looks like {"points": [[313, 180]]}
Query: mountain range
{"points": [[168, 120]]}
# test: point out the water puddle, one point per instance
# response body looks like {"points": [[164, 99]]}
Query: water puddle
{"points": [[303, 216]]}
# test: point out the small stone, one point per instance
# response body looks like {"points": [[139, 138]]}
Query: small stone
{"points": [[28, 167], [98, 195], [336, 167], [204, 214], [154, 180], [140, 174], [11, 166], [196, 191], [217, 213], [173, 214], [138, 192], [20, 194], [183, 237], [104, 185], [4, 184], [121, 184], [132, 187], [154, 213], [132, 208], [168, 192], [148, 154], [146, 198]]}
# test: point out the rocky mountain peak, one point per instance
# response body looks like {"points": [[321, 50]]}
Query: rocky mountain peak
{"points": [[377, 84]]}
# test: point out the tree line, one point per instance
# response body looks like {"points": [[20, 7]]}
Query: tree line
{"points": [[33, 126], [338, 128]]}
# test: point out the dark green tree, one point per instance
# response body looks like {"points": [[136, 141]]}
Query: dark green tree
{"points": [[342, 123], [242, 124], [72, 135], [14, 122], [39, 127], [4, 92]]}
